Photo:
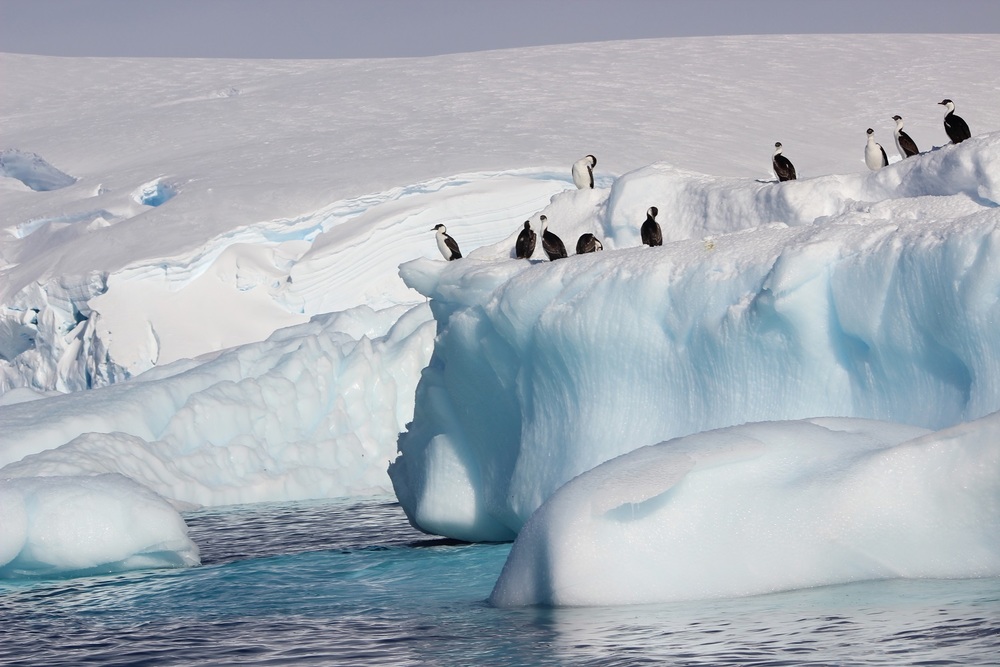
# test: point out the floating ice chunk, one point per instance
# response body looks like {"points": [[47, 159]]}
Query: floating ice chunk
{"points": [[765, 507], [88, 525]]}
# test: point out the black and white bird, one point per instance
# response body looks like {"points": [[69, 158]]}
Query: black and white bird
{"points": [[446, 244], [652, 235], [525, 244], [551, 244], [957, 129], [875, 156], [783, 167], [583, 172], [588, 243], [904, 144]]}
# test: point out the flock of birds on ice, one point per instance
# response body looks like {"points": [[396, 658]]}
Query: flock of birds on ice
{"points": [[583, 176]]}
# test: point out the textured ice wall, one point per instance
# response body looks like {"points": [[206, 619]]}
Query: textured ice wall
{"points": [[886, 307], [312, 412]]}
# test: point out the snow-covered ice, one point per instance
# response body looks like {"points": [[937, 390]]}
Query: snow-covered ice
{"points": [[297, 186], [203, 256]]}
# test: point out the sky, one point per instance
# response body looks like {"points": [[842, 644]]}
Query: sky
{"points": [[400, 28]]}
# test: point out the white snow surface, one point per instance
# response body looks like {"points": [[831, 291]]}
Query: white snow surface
{"points": [[203, 257]]}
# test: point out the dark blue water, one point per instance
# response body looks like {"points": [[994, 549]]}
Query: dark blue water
{"points": [[350, 583]]}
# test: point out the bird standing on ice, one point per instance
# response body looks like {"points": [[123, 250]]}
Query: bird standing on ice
{"points": [[783, 167], [525, 244], [957, 129], [551, 244], [875, 156], [583, 172], [588, 243], [651, 233], [904, 144], [446, 244]]}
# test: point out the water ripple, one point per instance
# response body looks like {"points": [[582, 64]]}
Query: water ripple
{"points": [[350, 583]]}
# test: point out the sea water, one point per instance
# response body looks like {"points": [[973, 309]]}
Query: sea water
{"points": [[350, 583]]}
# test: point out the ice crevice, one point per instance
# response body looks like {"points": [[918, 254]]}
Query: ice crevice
{"points": [[270, 274]]}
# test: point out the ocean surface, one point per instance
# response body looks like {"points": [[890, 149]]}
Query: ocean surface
{"points": [[350, 583]]}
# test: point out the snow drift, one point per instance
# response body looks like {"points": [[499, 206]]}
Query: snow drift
{"points": [[886, 307]]}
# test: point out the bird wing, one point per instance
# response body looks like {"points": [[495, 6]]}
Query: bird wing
{"points": [[453, 246], [783, 168], [907, 144]]}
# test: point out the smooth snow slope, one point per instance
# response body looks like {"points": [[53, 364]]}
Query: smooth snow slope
{"points": [[200, 183]]}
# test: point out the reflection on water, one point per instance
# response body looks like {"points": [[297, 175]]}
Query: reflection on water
{"points": [[350, 583], [875, 623]]}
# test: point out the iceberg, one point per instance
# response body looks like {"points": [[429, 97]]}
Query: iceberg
{"points": [[765, 507], [312, 412], [77, 525], [870, 296]]}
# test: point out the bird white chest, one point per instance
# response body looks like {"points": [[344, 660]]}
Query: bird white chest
{"points": [[873, 154], [443, 246], [582, 174]]}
